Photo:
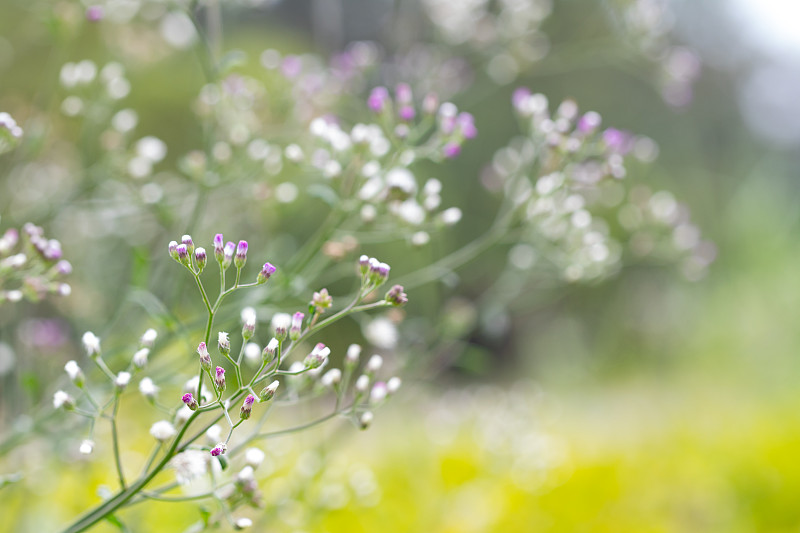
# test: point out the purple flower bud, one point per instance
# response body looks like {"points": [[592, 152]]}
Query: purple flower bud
{"points": [[430, 104], [466, 124], [451, 150], [219, 248], [616, 140], [269, 391], [52, 250], [363, 264], [190, 401], [407, 113], [63, 267], [183, 254], [200, 258], [266, 272], [241, 254], [396, 296], [173, 250], [187, 240], [378, 393], [403, 93], [318, 356], [378, 98], [247, 407], [94, 13], [378, 271], [297, 326], [519, 98], [219, 449], [219, 379], [205, 357], [230, 248], [589, 122]]}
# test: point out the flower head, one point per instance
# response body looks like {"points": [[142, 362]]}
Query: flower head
{"points": [[297, 326], [270, 350], [63, 400], [219, 379], [148, 388], [187, 241], [148, 338], [378, 99], [247, 407], [224, 343], [219, 449], [321, 301], [396, 296], [241, 254], [269, 391], [190, 401], [140, 357], [317, 357], [86, 447], [266, 272], [200, 258], [219, 248], [75, 373], [205, 357], [163, 430], [122, 380], [91, 343], [280, 324]]}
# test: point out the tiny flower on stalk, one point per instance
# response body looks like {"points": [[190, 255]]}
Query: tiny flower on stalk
{"points": [[75, 373], [148, 338], [378, 99], [365, 420], [378, 393], [317, 357], [92, 344], [247, 407], [269, 391], [148, 389], [219, 379], [374, 364], [241, 254], [228, 252], [205, 357], [280, 325], [396, 296], [219, 248], [219, 449], [363, 264], [200, 258], [331, 378], [173, 250], [86, 447], [140, 358], [248, 323], [254, 457], [122, 380], [183, 255], [62, 400], [223, 343], [190, 401], [352, 356], [162, 430], [297, 326], [269, 351], [321, 301], [242, 523], [393, 385], [187, 241], [266, 272], [362, 383]]}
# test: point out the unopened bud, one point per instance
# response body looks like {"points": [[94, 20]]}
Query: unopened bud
{"points": [[122, 380], [140, 358], [187, 240], [363, 264], [205, 357], [241, 254], [269, 391], [249, 323], [270, 350], [173, 250], [365, 420], [317, 357], [75, 373], [374, 364], [362, 383], [201, 259], [266, 271], [91, 343], [247, 407], [148, 338], [297, 326], [62, 400], [396, 296], [219, 379], [331, 378], [378, 392], [353, 354], [280, 325], [219, 248], [183, 254], [190, 401], [230, 248], [393, 385]]}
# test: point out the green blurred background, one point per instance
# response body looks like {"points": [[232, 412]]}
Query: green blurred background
{"points": [[643, 404]]}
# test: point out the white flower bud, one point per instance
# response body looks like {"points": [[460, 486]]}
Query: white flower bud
{"points": [[162, 430], [86, 447], [140, 358]]}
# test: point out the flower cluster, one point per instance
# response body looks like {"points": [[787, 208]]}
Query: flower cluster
{"points": [[582, 213], [31, 265], [10, 132]]}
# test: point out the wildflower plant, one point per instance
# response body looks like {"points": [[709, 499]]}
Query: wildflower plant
{"points": [[224, 390], [31, 265]]}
